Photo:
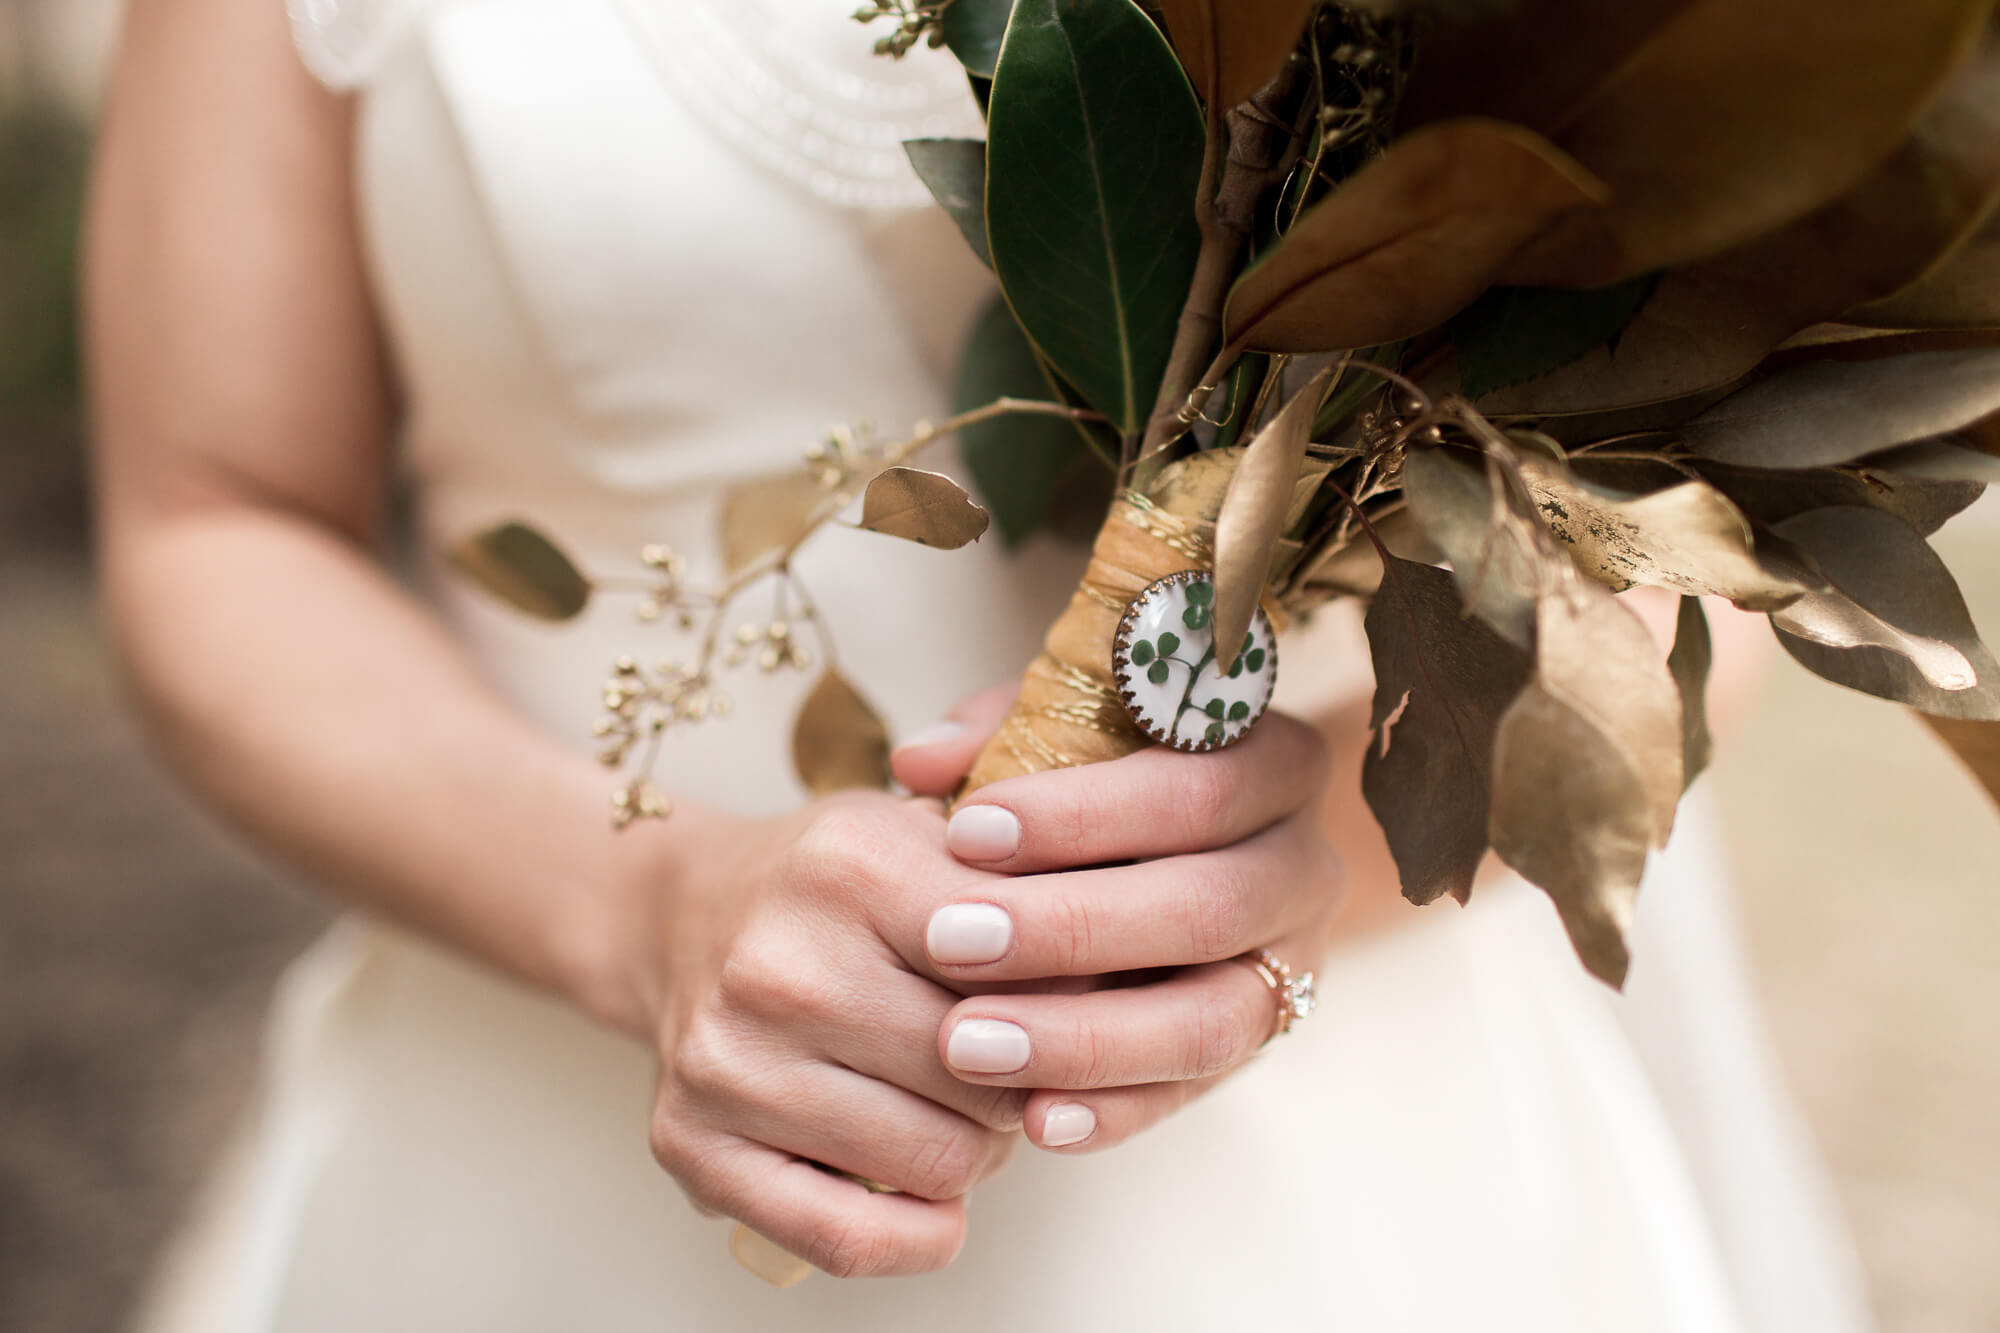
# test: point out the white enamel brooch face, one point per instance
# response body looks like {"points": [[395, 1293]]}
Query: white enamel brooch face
{"points": [[1164, 663]]}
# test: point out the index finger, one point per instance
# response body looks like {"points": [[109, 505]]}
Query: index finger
{"points": [[1158, 802]]}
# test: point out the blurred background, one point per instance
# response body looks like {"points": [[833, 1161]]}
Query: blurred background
{"points": [[138, 944]]}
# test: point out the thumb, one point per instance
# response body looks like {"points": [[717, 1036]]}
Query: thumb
{"points": [[932, 762]]}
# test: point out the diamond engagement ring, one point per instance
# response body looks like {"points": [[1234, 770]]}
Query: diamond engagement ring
{"points": [[1293, 993]]}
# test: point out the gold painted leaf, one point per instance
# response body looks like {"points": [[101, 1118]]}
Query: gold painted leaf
{"points": [[1570, 813], [1770, 497], [1595, 656], [1977, 745], [524, 569], [768, 514], [1353, 568], [1690, 661], [1231, 48], [1253, 514], [839, 742], [1824, 413], [1406, 243], [928, 508], [1442, 682], [1937, 460], [1687, 537], [1500, 573], [1736, 119], [1893, 623]]}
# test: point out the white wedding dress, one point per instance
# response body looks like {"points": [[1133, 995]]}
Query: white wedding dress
{"points": [[631, 252]]}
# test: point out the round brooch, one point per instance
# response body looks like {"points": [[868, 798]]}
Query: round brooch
{"points": [[1164, 662]]}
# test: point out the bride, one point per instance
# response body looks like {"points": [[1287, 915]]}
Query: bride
{"points": [[597, 263]]}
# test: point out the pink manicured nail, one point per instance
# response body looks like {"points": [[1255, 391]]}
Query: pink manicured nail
{"points": [[987, 1046], [983, 833], [935, 734], [966, 934], [1066, 1123]]}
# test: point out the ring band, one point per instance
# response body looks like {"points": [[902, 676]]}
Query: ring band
{"points": [[1293, 993]]}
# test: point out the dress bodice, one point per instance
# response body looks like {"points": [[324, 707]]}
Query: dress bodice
{"points": [[607, 312]]}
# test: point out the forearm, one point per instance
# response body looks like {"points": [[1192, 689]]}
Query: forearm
{"points": [[311, 701]]}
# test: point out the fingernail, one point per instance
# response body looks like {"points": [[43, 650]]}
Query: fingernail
{"points": [[983, 833], [935, 734], [1066, 1123], [987, 1046], [968, 933]]}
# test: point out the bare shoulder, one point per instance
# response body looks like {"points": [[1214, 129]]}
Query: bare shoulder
{"points": [[232, 340]]}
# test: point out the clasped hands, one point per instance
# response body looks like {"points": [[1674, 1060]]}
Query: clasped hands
{"points": [[869, 986]]}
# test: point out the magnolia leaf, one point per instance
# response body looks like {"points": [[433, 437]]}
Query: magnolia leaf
{"points": [[1710, 324], [1977, 745], [1353, 568], [973, 30], [1194, 486], [1094, 150], [1770, 497], [1687, 537], [1689, 663], [1025, 467], [1937, 460], [1513, 334], [1570, 813], [954, 170], [1595, 656], [1893, 623], [1961, 293], [927, 508], [1494, 559], [1408, 241], [1252, 517], [1823, 413], [1231, 48], [764, 516], [1442, 681], [524, 569], [1736, 119], [839, 742]]}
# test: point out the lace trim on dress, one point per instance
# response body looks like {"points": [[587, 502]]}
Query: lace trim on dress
{"points": [[344, 42], [791, 84]]}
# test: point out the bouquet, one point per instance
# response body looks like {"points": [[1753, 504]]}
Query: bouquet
{"points": [[1484, 312]]}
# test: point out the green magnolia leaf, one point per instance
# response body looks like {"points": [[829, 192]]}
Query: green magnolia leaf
{"points": [[1024, 466], [1512, 334], [1093, 155], [1893, 624], [955, 172], [1442, 681], [1827, 412], [524, 569], [973, 30]]}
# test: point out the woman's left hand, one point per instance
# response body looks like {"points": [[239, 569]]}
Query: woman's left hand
{"points": [[1158, 860]]}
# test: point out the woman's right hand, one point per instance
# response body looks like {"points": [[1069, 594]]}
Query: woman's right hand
{"points": [[795, 1017]]}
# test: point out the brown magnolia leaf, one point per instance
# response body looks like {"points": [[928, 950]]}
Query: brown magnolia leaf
{"points": [[1231, 48], [1823, 413], [1570, 813], [1770, 497], [1961, 293], [1977, 745], [766, 515], [1499, 571], [1893, 623], [1252, 519], [1687, 537], [524, 569], [1594, 655], [1736, 119], [1406, 243], [928, 508], [1689, 663], [1442, 681], [1709, 324], [839, 742], [1937, 460]]}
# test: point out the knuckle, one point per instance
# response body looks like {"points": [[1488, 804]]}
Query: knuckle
{"points": [[769, 974], [947, 1165], [1218, 911], [852, 1246], [703, 1061], [1095, 1056], [1071, 935], [1216, 1036], [1207, 794], [833, 853]]}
